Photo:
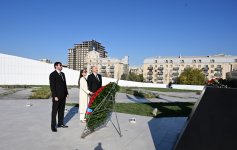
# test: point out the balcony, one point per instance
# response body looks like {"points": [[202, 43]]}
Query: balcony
{"points": [[175, 74], [149, 73], [176, 68], [149, 77], [160, 73], [218, 74], [205, 68], [150, 68], [103, 67], [160, 68], [160, 82], [103, 71], [111, 67], [218, 69], [160, 78], [111, 70], [102, 74]]}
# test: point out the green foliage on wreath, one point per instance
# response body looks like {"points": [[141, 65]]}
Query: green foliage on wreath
{"points": [[102, 106]]}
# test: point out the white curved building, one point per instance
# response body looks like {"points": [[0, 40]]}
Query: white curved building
{"points": [[16, 70]]}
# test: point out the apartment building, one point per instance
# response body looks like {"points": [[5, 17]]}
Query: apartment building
{"points": [[77, 54], [107, 67], [136, 70], [166, 69]]}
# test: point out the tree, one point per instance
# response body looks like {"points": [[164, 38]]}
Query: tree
{"points": [[124, 76], [140, 78], [191, 76], [132, 77]]}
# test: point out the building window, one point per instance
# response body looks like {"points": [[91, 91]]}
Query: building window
{"points": [[171, 61], [199, 60], [182, 61], [166, 61], [212, 60], [155, 61], [212, 66], [212, 71], [194, 61], [235, 60], [199, 66], [218, 66], [188, 66]]}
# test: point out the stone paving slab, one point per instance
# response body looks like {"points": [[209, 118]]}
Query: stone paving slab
{"points": [[2, 90], [21, 93], [24, 128], [73, 95]]}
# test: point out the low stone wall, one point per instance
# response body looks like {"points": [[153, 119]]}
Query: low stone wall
{"points": [[151, 85]]}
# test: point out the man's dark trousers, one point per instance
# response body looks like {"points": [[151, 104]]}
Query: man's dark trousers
{"points": [[58, 107]]}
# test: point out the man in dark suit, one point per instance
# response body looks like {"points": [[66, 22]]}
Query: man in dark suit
{"points": [[59, 92], [94, 80]]}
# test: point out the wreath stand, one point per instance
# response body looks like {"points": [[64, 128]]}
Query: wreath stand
{"points": [[103, 111]]}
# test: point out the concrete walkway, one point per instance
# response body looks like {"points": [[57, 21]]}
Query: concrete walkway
{"points": [[2, 90], [18, 93], [24, 128]]}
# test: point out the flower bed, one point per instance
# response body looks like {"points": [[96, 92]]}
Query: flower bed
{"points": [[218, 83]]}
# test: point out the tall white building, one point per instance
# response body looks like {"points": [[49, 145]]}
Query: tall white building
{"points": [[166, 69], [107, 67]]}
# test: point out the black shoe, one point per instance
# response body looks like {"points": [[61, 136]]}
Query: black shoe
{"points": [[54, 129], [62, 126]]}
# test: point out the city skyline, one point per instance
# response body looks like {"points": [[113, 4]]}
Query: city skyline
{"points": [[47, 29]]}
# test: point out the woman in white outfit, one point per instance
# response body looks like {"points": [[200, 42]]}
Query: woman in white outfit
{"points": [[83, 95]]}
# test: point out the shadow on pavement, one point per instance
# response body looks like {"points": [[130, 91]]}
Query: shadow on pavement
{"points": [[137, 99], [70, 114], [165, 131], [98, 147]]}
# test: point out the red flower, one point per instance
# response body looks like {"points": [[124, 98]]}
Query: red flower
{"points": [[94, 96]]}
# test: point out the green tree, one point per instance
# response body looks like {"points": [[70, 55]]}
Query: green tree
{"points": [[140, 78], [132, 77], [191, 76], [124, 76]]}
